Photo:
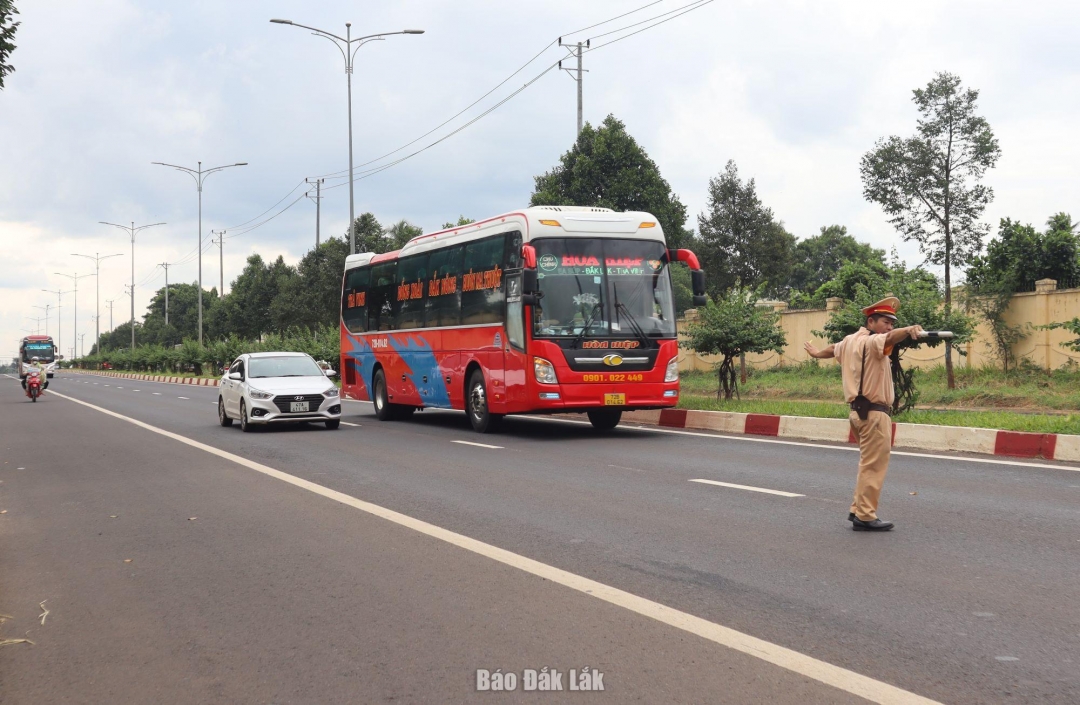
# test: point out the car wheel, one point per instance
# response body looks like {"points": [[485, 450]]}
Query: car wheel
{"points": [[380, 398], [223, 418], [333, 424], [605, 419], [476, 406], [244, 425]]}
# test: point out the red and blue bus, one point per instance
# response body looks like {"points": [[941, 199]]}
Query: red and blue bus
{"points": [[544, 310]]}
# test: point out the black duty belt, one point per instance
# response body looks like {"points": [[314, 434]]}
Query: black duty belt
{"points": [[883, 408]]}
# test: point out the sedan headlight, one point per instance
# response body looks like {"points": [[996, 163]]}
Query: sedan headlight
{"points": [[259, 394], [331, 393], [671, 374], [545, 371]]}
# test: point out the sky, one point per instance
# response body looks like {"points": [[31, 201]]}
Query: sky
{"points": [[795, 92]]}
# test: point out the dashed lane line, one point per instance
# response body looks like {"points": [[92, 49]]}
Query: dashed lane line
{"points": [[789, 659], [478, 445], [748, 487], [346, 423]]}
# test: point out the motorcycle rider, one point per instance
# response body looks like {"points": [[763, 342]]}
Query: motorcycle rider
{"points": [[35, 364]]}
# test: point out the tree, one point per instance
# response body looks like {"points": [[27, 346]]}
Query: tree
{"points": [[370, 235], [401, 232], [246, 310], [742, 245], [7, 37], [607, 168], [818, 259], [462, 220], [929, 184], [732, 326], [312, 298], [920, 302]]}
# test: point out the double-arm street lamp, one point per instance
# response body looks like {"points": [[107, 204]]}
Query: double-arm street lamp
{"points": [[75, 279], [199, 175], [345, 46], [96, 257], [131, 230], [59, 306]]}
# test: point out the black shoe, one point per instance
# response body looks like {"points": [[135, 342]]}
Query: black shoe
{"points": [[851, 516], [876, 525]]}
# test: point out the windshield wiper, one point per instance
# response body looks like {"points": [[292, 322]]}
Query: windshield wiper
{"points": [[588, 322], [638, 331]]}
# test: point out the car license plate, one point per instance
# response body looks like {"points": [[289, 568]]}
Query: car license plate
{"points": [[614, 400], [298, 406]]}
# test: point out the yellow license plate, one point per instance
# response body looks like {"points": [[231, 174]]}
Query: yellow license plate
{"points": [[614, 400]]}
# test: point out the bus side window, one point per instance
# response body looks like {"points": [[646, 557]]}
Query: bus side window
{"points": [[409, 292], [382, 295], [444, 307], [354, 299], [482, 294], [513, 250]]}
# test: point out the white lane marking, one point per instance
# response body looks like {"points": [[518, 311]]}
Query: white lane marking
{"points": [[108, 385], [95, 384], [346, 423], [156, 394], [827, 673], [478, 445], [748, 487], [850, 449], [186, 398], [117, 387], [136, 390]]}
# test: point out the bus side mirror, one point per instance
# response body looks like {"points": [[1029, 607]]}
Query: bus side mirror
{"points": [[697, 283], [530, 283], [700, 300]]}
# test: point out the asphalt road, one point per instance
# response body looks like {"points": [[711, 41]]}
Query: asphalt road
{"points": [[276, 594]]}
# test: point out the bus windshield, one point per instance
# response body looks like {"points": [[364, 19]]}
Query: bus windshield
{"points": [[42, 349], [603, 287]]}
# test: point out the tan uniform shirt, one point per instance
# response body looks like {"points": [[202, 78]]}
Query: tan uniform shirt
{"points": [[877, 383]]}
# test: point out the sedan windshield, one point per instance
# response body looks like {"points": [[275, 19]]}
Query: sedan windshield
{"points": [[292, 366], [603, 287]]}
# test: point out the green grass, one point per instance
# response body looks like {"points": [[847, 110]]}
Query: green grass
{"points": [[983, 398], [1005, 420]]}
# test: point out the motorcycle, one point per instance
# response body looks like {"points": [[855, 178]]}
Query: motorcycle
{"points": [[33, 385]]}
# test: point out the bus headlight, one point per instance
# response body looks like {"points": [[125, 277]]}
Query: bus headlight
{"points": [[545, 371], [672, 372]]}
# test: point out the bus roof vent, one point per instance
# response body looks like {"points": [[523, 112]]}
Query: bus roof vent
{"points": [[572, 209]]}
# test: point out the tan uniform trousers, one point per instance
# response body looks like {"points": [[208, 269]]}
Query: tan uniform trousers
{"points": [[875, 445]]}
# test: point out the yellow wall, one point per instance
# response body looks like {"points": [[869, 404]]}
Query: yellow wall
{"points": [[1042, 348]]}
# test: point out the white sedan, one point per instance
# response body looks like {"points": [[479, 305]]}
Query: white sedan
{"points": [[277, 387]]}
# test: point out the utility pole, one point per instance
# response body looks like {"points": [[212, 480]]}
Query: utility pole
{"points": [[110, 302], [576, 50], [318, 203], [82, 345], [75, 278], [166, 267], [220, 242], [132, 231], [59, 302], [97, 296]]}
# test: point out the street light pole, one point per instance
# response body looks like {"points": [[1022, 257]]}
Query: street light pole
{"points": [[349, 55], [200, 175], [59, 307], [97, 295], [45, 308], [132, 230], [110, 302], [75, 278]]}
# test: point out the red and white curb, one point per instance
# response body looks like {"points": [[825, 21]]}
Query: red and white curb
{"points": [[1013, 444], [197, 381]]}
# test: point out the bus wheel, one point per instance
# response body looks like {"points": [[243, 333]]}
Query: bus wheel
{"points": [[605, 419], [383, 409], [482, 420]]}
